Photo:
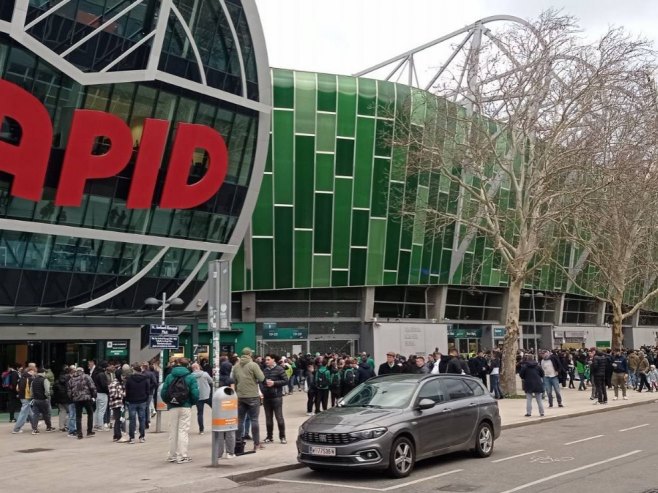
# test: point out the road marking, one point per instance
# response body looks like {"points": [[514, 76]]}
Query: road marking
{"points": [[367, 488], [570, 471], [635, 427], [584, 439], [516, 456]]}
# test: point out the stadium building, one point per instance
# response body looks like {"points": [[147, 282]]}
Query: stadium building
{"points": [[170, 143]]}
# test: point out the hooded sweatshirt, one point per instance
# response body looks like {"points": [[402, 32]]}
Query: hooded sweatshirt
{"points": [[247, 375], [204, 382], [532, 375], [138, 388]]}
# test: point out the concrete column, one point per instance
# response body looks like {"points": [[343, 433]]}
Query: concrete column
{"points": [[249, 307], [367, 304], [600, 313], [436, 296], [559, 310]]}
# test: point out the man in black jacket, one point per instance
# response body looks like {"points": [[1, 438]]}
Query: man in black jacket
{"points": [[456, 364], [40, 402], [138, 390], [390, 366], [598, 370], [272, 389], [99, 377]]}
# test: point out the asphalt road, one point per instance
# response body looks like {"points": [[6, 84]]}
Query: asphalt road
{"points": [[611, 452]]}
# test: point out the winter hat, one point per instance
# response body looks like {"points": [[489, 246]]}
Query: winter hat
{"points": [[246, 352], [79, 368]]}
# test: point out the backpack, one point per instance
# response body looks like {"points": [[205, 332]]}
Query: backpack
{"points": [[322, 378], [6, 380], [349, 377], [335, 380], [178, 393]]}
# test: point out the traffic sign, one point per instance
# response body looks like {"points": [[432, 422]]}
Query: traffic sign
{"points": [[163, 341], [163, 330]]}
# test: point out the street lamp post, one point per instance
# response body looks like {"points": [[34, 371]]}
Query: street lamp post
{"points": [[164, 303], [532, 295]]}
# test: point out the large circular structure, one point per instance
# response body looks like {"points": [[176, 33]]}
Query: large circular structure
{"points": [[159, 113]]}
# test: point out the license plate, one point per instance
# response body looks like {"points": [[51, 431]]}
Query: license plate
{"points": [[323, 451]]}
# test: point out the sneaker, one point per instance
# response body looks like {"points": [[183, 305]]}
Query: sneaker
{"points": [[72, 435], [124, 440], [246, 437], [35, 432], [131, 441], [183, 460], [284, 441], [202, 432], [142, 440], [527, 415], [12, 420], [542, 415], [116, 439], [625, 398], [309, 414], [560, 405], [258, 446], [50, 430], [171, 459], [80, 437], [268, 440], [92, 434], [596, 403], [230, 456], [16, 432], [614, 398]]}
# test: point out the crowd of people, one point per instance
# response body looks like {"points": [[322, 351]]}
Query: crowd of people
{"points": [[113, 394]]}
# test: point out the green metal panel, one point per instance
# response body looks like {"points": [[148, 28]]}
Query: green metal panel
{"points": [[324, 204], [283, 141], [263, 249], [376, 249], [303, 258], [365, 137], [321, 271], [304, 179], [261, 222], [342, 223], [284, 88], [305, 97], [324, 172], [283, 247], [326, 92], [346, 106]]}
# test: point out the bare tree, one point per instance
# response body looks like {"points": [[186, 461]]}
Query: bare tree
{"points": [[512, 154], [616, 230]]}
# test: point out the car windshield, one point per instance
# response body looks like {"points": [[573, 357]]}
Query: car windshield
{"points": [[381, 394]]}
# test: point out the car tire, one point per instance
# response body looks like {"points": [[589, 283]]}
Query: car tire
{"points": [[402, 458], [484, 441]]}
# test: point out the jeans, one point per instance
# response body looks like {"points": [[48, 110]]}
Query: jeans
{"points": [[72, 420], [619, 381], [601, 393], [582, 385], [321, 399], [200, 405], [63, 415], [249, 406], [247, 427], [138, 410], [528, 403], [117, 414], [494, 382], [24, 414], [551, 383], [40, 407], [225, 442], [87, 406], [179, 431], [274, 406], [101, 406], [632, 378]]}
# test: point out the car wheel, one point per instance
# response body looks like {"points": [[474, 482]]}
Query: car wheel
{"points": [[484, 440], [402, 459]]}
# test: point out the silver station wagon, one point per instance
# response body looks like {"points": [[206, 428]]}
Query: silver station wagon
{"points": [[392, 421]]}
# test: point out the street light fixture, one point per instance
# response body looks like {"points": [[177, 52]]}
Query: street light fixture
{"points": [[164, 303]]}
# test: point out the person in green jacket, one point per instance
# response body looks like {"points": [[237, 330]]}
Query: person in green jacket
{"points": [[247, 374], [179, 402]]}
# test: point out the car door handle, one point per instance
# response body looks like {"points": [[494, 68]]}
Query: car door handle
{"points": [[446, 410], [472, 404]]}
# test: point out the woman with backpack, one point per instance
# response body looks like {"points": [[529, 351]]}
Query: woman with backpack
{"points": [[336, 371], [322, 384]]}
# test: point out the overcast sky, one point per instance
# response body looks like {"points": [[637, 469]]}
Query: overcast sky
{"points": [[345, 36]]}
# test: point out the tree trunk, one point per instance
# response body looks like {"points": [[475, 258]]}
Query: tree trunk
{"points": [[511, 341], [617, 338]]}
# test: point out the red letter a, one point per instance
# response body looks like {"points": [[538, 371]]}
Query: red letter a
{"points": [[28, 160]]}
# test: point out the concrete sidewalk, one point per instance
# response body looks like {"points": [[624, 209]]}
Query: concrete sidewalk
{"points": [[52, 462]]}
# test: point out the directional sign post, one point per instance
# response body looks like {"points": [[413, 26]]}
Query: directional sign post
{"points": [[163, 337]]}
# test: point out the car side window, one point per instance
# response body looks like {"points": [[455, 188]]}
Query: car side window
{"points": [[457, 389], [475, 387], [432, 390]]}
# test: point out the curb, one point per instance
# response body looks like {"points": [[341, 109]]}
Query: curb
{"points": [[253, 474], [594, 410]]}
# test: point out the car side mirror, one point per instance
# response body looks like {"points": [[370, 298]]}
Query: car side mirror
{"points": [[426, 404]]}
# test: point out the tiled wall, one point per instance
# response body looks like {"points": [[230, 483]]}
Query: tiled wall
{"points": [[326, 217]]}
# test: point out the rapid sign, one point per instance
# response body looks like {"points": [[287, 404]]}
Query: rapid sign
{"points": [[28, 160]]}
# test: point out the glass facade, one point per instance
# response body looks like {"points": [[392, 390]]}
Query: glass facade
{"points": [[51, 270]]}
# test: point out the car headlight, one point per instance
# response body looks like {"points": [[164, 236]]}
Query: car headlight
{"points": [[300, 432], [368, 434]]}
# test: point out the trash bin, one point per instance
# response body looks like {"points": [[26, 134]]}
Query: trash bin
{"points": [[224, 410]]}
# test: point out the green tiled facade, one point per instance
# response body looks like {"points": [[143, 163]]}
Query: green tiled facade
{"points": [[326, 214]]}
